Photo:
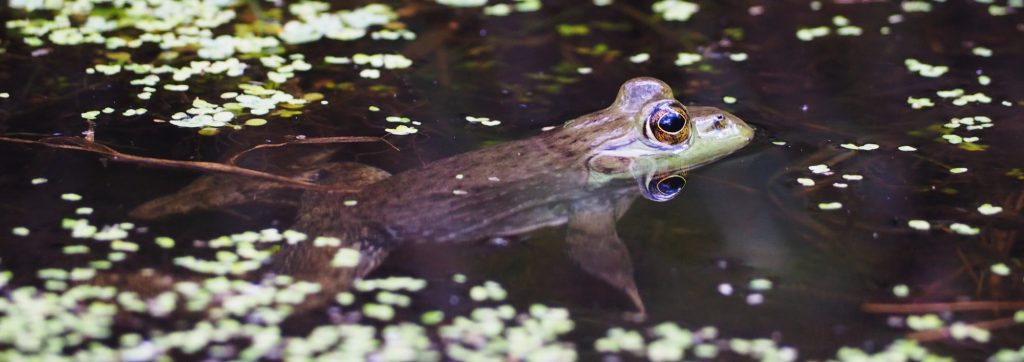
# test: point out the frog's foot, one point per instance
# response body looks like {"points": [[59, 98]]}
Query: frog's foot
{"points": [[320, 264]]}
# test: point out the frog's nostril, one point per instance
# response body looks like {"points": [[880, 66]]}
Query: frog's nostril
{"points": [[718, 122]]}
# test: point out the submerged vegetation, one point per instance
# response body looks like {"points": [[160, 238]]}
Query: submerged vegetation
{"points": [[900, 180]]}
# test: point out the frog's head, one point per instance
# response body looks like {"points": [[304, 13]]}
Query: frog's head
{"points": [[648, 131]]}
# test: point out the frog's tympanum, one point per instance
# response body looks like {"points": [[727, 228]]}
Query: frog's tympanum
{"points": [[583, 175]]}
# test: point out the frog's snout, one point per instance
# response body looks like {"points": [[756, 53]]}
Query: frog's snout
{"points": [[741, 128], [723, 127]]}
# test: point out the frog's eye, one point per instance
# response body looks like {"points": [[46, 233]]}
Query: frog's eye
{"points": [[668, 123], [664, 188]]}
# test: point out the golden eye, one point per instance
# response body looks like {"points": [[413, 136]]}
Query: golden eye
{"points": [[668, 123]]}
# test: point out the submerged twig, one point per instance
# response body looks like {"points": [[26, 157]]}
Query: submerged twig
{"points": [[943, 333], [978, 305], [90, 131], [79, 144], [650, 22]]}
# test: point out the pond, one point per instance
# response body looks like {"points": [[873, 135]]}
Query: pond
{"points": [[400, 180]]}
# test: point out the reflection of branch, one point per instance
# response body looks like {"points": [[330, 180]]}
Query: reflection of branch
{"points": [[651, 22], [49, 101], [312, 141], [942, 333], [79, 144], [940, 307]]}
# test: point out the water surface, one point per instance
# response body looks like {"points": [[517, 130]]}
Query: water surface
{"points": [[833, 252]]}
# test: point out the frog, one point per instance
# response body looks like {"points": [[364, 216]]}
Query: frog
{"points": [[582, 176]]}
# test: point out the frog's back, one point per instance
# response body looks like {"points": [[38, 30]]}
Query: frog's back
{"points": [[458, 197]]}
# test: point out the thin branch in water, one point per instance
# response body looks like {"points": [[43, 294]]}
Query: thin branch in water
{"points": [[943, 333], [79, 144], [979, 305]]}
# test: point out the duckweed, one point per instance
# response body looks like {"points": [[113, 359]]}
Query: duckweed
{"points": [[386, 61], [345, 298], [864, 147], [918, 103], [808, 34], [401, 130], [924, 322], [345, 258], [326, 241], [483, 121], [370, 73], [684, 59], [75, 249], [982, 51], [901, 291], [379, 311], [20, 231], [432, 317], [919, 225], [640, 58], [760, 284], [924, 69], [830, 205], [675, 10], [1000, 269], [989, 209], [820, 169], [164, 242], [900, 350], [255, 122], [463, 3], [972, 98], [964, 229]]}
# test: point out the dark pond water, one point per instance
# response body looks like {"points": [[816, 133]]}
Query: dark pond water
{"points": [[909, 231]]}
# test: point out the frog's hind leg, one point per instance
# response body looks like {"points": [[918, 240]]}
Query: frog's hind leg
{"points": [[593, 244], [217, 192], [223, 191]]}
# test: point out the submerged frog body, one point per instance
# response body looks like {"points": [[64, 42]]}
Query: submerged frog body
{"points": [[578, 175]]}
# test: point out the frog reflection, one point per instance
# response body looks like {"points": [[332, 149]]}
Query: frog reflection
{"points": [[583, 175]]}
